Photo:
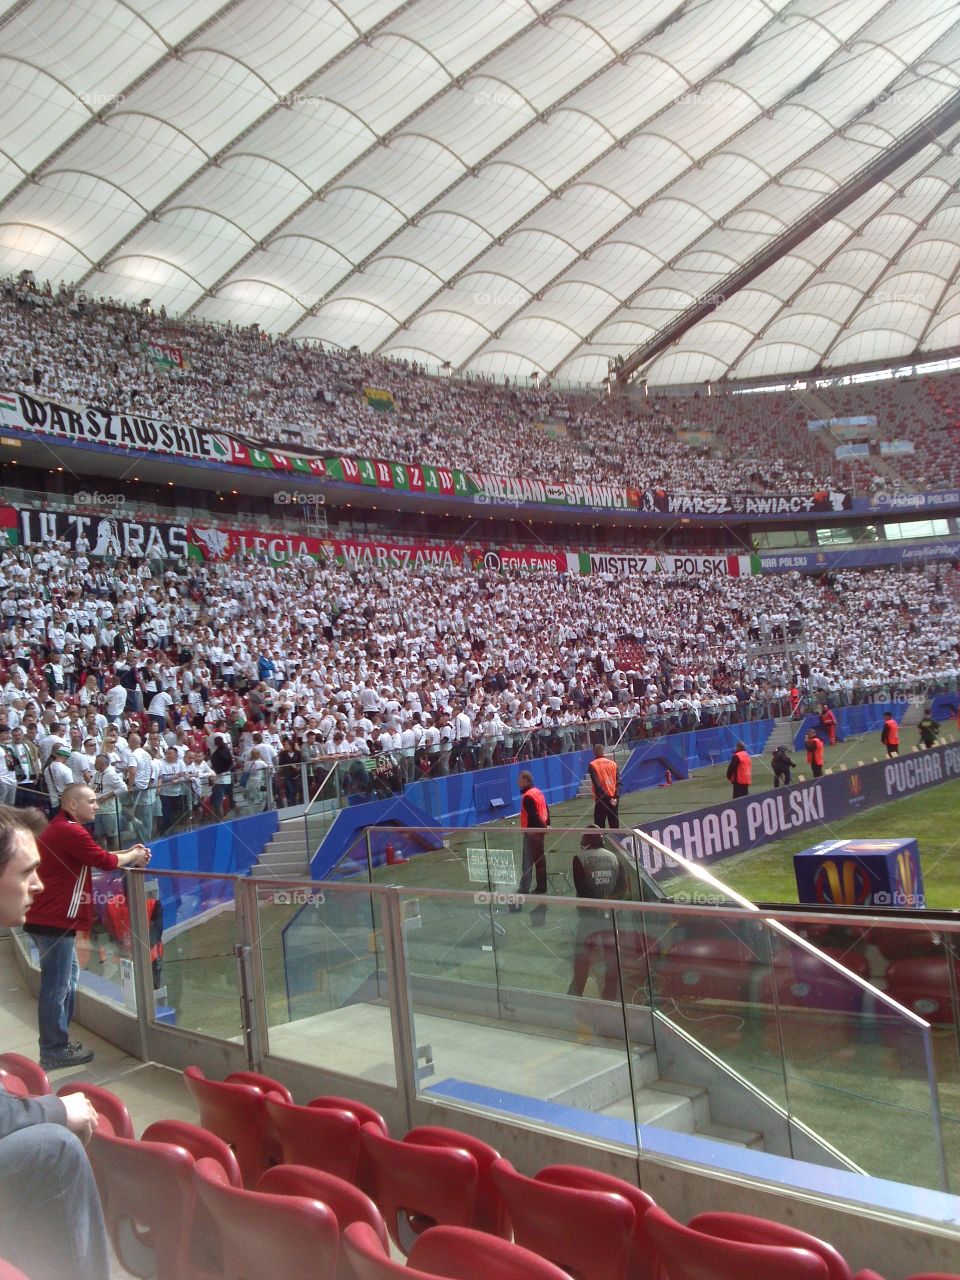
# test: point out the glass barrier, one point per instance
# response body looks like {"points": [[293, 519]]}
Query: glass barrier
{"points": [[323, 969], [669, 1006], [193, 935]]}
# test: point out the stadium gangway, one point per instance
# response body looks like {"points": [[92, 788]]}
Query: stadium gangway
{"points": [[444, 997]]}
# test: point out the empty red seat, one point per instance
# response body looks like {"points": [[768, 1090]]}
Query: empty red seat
{"points": [[263, 1236], [589, 1234], [642, 1264], [349, 1203], [705, 969], [365, 1115], [108, 1106], [686, 1254], [923, 985], [13, 1085], [489, 1210], [417, 1187], [235, 1113], [266, 1084], [321, 1137], [9, 1272], [201, 1144], [30, 1072], [750, 1230], [148, 1198], [363, 1257], [461, 1254]]}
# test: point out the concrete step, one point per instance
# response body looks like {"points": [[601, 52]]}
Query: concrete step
{"points": [[605, 1085], [666, 1108], [782, 736]]}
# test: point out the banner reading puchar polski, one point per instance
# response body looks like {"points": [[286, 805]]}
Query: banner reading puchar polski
{"points": [[709, 835]]}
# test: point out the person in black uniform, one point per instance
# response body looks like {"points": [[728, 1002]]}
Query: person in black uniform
{"points": [[597, 873], [782, 764]]}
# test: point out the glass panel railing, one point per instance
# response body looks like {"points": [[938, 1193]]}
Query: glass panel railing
{"points": [[324, 982], [195, 925], [611, 1018]]}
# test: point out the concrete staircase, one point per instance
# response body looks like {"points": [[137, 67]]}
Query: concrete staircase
{"points": [[782, 736], [286, 856]]}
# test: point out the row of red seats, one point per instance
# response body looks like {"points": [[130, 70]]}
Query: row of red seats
{"points": [[209, 1203]]}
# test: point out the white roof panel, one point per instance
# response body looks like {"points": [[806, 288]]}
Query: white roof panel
{"points": [[512, 185]]}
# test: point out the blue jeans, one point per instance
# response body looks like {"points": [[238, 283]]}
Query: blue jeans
{"points": [[59, 978], [52, 1220]]}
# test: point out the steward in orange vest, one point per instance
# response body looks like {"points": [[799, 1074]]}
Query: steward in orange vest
{"points": [[890, 736], [740, 770], [605, 779], [814, 747], [534, 819]]}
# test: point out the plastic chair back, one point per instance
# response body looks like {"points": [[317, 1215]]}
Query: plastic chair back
{"points": [[363, 1257], [107, 1105], [420, 1187], [148, 1201], [320, 1137], [348, 1202], [462, 1254], [365, 1115], [643, 1265], [13, 1085], [201, 1143], [30, 1072], [587, 1233], [750, 1230], [265, 1236], [266, 1084], [489, 1212], [690, 1255], [235, 1113]]}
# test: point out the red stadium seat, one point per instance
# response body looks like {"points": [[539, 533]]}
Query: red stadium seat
{"points": [[642, 1263], [590, 1234], [13, 1085], [266, 1084], [690, 1255], [320, 1137], [363, 1257], [365, 1115], [489, 1210], [9, 1272], [923, 985], [30, 1072], [461, 1254], [749, 1230], [348, 1202], [418, 1187], [148, 1201], [235, 1113], [108, 1106], [263, 1237], [705, 969], [201, 1143]]}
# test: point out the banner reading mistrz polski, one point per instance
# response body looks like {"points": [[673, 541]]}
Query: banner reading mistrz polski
{"points": [[625, 564], [709, 835]]}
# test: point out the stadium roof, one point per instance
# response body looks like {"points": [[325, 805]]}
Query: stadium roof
{"points": [[504, 185]]}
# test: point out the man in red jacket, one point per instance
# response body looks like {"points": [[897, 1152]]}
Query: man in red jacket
{"points": [[814, 744], [68, 853]]}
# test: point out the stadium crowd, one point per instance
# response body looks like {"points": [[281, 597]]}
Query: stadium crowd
{"points": [[60, 344], [128, 679]]}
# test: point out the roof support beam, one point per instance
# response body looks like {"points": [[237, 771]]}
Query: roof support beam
{"points": [[888, 162]]}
